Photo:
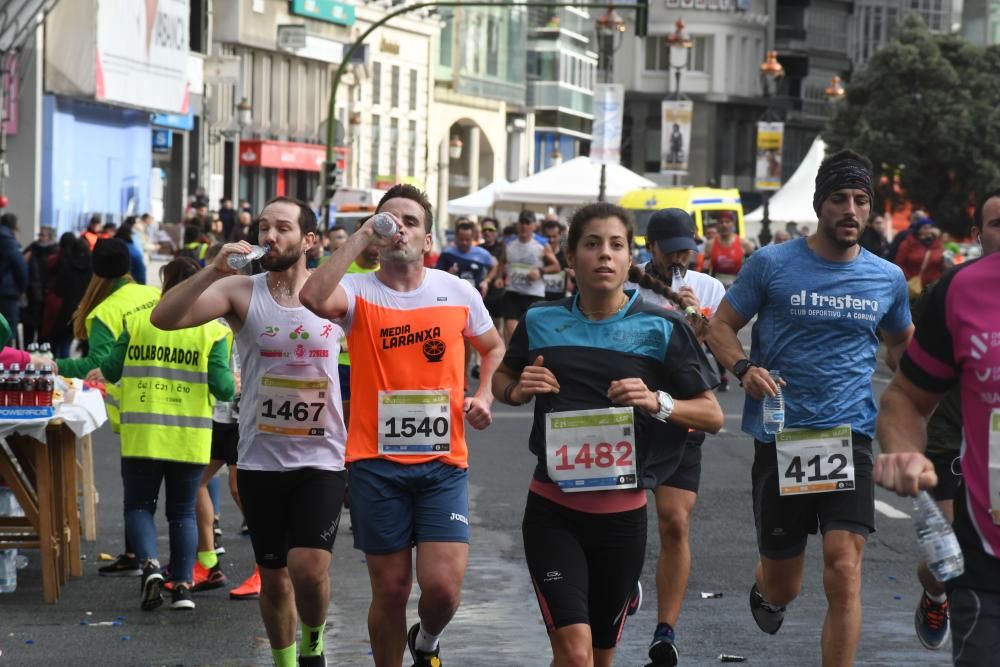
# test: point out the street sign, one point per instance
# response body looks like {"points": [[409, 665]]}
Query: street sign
{"points": [[222, 69], [675, 136], [770, 137], [609, 110], [291, 37]]}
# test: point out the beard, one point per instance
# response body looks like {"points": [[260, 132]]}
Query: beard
{"points": [[830, 232], [282, 262]]}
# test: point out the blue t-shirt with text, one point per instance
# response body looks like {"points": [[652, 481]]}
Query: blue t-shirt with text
{"points": [[472, 266], [816, 324]]}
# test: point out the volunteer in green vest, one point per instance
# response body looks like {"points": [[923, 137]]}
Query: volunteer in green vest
{"points": [[110, 296], [168, 380]]}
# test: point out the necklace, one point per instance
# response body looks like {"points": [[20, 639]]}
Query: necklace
{"points": [[598, 313]]}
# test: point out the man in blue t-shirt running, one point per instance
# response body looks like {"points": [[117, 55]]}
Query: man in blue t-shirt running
{"points": [[820, 302], [471, 263]]}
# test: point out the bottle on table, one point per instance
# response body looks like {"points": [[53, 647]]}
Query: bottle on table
{"points": [[773, 408], [936, 539], [12, 382], [28, 386], [44, 386]]}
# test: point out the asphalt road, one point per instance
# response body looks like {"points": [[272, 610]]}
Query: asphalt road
{"points": [[499, 624]]}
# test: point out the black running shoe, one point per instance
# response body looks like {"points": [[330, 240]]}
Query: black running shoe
{"points": [[312, 660], [152, 585], [123, 566], [768, 616], [215, 527], [421, 658], [663, 648], [181, 597]]}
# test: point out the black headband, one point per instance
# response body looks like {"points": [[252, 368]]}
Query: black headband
{"points": [[844, 174]]}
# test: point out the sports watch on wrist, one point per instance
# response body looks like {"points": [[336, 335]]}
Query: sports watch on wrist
{"points": [[666, 406], [741, 367]]}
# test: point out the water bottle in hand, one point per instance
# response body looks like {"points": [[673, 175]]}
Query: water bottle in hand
{"points": [[238, 261], [384, 225], [936, 538], [774, 408], [678, 280]]}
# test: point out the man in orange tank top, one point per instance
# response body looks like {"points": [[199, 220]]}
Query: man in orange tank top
{"points": [[724, 255]]}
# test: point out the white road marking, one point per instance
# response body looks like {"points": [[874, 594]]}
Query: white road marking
{"points": [[890, 511]]}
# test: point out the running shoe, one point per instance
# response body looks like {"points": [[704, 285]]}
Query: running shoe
{"points": [[663, 649], [219, 547], [768, 616], [635, 602], [243, 528], [249, 589], [312, 661], [215, 527], [152, 585], [207, 579], [931, 622], [180, 597], [123, 566], [421, 658]]}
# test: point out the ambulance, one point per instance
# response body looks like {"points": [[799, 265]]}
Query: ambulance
{"points": [[706, 206]]}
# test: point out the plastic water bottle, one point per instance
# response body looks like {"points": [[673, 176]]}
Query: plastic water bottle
{"points": [[8, 557], [384, 225], [774, 408], [678, 280], [237, 261], [937, 540]]}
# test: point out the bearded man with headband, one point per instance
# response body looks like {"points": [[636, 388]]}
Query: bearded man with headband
{"points": [[816, 474]]}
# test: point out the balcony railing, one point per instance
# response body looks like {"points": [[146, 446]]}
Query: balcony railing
{"points": [[550, 94]]}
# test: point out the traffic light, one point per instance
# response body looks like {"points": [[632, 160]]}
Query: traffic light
{"points": [[641, 17], [331, 180]]}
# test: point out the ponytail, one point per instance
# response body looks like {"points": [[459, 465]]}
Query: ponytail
{"points": [[656, 285]]}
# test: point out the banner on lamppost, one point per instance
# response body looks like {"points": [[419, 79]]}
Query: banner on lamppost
{"points": [[675, 136], [770, 137], [609, 112]]}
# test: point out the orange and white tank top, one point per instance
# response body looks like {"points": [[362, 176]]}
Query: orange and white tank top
{"points": [[290, 412], [408, 367]]}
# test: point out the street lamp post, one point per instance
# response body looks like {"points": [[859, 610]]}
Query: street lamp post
{"points": [[772, 71], [609, 28], [679, 43]]}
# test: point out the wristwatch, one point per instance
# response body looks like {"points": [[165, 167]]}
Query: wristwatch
{"points": [[741, 367], [666, 406]]}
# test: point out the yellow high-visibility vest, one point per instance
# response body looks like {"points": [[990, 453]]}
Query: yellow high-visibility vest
{"points": [[166, 409]]}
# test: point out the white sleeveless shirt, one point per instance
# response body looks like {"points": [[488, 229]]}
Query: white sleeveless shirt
{"points": [[290, 410], [522, 257]]}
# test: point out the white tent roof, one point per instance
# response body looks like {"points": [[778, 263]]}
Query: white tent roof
{"points": [[794, 201], [573, 182], [476, 203]]}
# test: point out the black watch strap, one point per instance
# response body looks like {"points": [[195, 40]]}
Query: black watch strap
{"points": [[741, 367]]}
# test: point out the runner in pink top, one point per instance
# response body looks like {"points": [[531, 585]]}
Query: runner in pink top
{"points": [[957, 341]]}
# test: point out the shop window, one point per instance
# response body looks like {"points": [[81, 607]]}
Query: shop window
{"points": [[376, 83]]}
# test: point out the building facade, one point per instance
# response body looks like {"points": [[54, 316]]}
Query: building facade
{"points": [[480, 129], [720, 74], [381, 111], [874, 22], [561, 72]]}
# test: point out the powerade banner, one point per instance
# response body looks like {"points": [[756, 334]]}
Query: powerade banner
{"points": [[770, 137], [675, 136]]}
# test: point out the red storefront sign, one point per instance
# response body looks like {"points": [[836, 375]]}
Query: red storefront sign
{"points": [[286, 155]]}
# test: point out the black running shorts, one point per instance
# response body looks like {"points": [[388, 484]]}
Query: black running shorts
{"points": [[687, 477], [290, 509], [584, 566], [225, 442], [949, 474], [515, 304], [784, 522]]}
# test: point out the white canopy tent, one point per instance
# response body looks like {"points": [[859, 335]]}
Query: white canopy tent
{"points": [[572, 183], [477, 203], [794, 201]]}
